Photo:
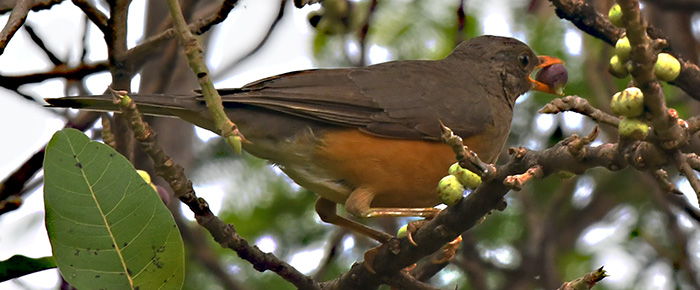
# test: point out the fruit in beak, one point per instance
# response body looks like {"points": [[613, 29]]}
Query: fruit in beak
{"points": [[552, 76]]}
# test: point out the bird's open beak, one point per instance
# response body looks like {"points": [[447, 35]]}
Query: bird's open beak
{"points": [[545, 61]]}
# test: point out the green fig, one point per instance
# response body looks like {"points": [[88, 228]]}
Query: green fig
{"points": [[403, 231], [617, 67], [450, 190], [467, 178], [615, 15], [623, 48], [667, 67], [633, 128], [629, 103]]}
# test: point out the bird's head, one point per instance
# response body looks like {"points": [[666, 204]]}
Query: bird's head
{"points": [[514, 62]]}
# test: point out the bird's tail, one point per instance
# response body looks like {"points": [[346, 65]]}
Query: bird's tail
{"points": [[189, 108]]}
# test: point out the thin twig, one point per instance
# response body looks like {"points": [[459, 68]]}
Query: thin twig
{"points": [[140, 52], [467, 159], [363, 32], [516, 182], [17, 18], [684, 167], [581, 106], [40, 43], [666, 185], [96, 16], [333, 244], [261, 43], [79, 72], [37, 5], [194, 52]]}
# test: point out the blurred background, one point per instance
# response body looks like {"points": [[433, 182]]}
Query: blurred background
{"points": [[553, 230]]}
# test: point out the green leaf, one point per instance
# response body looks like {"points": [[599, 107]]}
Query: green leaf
{"points": [[107, 227], [18, 266]]}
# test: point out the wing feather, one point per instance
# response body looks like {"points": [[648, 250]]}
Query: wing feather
{"points": [[397, 99]]}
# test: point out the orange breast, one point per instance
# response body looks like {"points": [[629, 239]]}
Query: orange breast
{"points": [[402, 173]]}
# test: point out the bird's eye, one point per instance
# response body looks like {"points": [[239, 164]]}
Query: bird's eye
{"points": [[524, 59]]}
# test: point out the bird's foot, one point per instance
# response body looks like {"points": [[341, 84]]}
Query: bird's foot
{"points": [[413, 227]]}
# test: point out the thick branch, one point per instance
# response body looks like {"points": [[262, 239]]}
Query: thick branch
{"points": [[583, 15]]}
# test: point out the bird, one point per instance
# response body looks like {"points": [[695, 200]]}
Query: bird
{"points": [[368, 137]]}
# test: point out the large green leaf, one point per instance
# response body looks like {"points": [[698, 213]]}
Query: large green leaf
{"points": [[108, 228]]}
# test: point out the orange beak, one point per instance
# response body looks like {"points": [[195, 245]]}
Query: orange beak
{"points": [[545, 61]]}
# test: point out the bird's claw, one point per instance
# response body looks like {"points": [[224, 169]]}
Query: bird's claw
{"points": [[411, 228]]}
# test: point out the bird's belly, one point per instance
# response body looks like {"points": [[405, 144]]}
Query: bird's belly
{"points": [[400, 173]]}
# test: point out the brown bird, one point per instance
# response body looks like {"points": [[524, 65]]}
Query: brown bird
{"points": [[369, 137]]}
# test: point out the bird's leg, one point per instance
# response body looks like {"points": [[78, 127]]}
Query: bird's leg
{"points": [[358, 204], [327, 211]]}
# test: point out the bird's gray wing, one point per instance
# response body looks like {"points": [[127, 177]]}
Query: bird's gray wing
{"points": [[402, 100]]}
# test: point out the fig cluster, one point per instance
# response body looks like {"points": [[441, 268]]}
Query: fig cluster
{"points": [[667, 67], [451, 187], [630, 105]]}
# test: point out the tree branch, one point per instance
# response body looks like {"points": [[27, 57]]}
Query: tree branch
{"points": [[37, 5], [96, 16], [400, 253], [581, 106], [17, 18]]}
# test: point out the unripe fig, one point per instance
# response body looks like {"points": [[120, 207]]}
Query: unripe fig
{"points": [[629, 103], [615, 15], [633, 128], [467, 178], [450, 190], [617, 67], [623, 48], [667, 67], [403, 231]]}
